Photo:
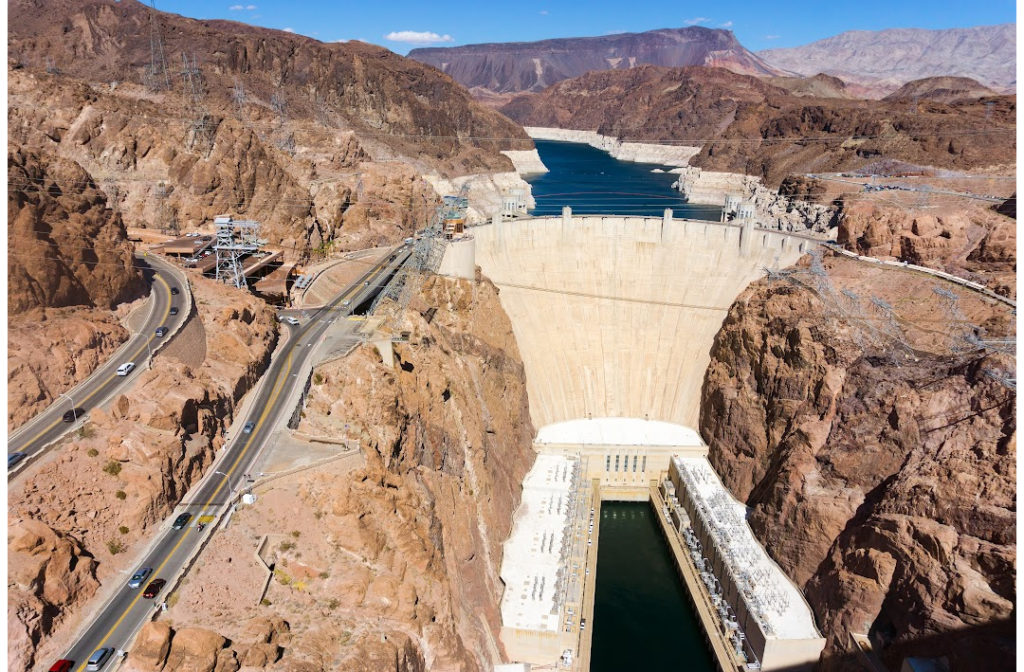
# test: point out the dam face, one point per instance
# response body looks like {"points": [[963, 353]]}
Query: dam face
{"points": [[615, 316]]}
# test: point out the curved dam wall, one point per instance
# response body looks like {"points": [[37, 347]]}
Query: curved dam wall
{"points": [[615, 316]]}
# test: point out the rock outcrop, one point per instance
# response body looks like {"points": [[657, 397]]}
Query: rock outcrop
{"points": [[66, 246], [940, 89], [127, 468], [50, 350], [886, 59], [878, 461], [398, 560], [970, 241], [532, 66]]}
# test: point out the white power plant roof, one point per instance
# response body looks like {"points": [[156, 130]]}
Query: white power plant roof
{"points": [[618, 432], [532, 566], [766, 589]]}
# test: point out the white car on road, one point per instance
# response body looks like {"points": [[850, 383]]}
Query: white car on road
{"points": [[125, 368]]}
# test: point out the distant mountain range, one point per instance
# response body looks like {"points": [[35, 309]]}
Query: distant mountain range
{"points": [[887, 59], [514, 67], [872, 63]]}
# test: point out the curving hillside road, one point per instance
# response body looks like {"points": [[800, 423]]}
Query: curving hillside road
{"points": [[48, 426], [117, 621]]}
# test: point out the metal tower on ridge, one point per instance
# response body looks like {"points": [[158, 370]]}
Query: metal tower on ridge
{"points": [[156, 75], [235, 239]]}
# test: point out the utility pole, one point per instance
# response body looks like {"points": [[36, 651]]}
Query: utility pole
{"points": [[200, 132], [156, 77]]}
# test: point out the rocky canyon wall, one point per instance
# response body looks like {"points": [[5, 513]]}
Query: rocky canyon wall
{"points": [[397, 559], [77, 514], [877, 453]]}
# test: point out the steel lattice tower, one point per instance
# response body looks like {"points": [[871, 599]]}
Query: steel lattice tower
{"points": [[235, 238]]}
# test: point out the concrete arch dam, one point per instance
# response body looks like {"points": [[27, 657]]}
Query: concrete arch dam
{"points": [[615, 316]]}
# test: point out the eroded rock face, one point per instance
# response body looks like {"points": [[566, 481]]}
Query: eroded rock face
{"points": [[108, 484], [883, 482], [970, 241], [47, 569], [66, 247], [393, 565], [49, 350]]}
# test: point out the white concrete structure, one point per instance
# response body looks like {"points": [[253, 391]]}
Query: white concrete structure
{"points": [[459, 260], [615, 316], [772, 622], [618, 432], [533, 563]]}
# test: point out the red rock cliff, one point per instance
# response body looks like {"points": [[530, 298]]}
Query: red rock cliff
{"points": [[876, 450]]}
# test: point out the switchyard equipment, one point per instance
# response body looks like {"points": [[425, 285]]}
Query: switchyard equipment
{"points": [[235, 239]]}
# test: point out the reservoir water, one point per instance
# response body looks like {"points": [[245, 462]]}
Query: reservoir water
{"points": [[590, 181], [642, 619]]}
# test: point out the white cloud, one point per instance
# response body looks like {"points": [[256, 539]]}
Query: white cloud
{"points": [[417, 37], [543, 12], [288, 30], [727, 24], [250, 7], [695, 20], [772, 37], [235, 8]]}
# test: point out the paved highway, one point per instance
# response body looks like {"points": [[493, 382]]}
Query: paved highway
{"points": [[48, 426], [118, 621]]}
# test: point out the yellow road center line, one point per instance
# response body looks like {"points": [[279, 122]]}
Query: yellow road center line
{"points": [[106, 382], [275, 393]]}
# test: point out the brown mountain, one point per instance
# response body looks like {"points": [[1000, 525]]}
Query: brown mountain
{"points": [[745, 125], [887, 59], [532, 66], [322, 143], [940, 89]]}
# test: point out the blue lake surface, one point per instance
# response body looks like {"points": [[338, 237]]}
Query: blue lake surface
{"points": [[591, 182]]}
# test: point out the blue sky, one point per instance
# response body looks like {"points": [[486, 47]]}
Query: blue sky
{"points": [[401, 25]]}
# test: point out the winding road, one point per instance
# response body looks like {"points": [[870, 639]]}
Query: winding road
{"points": [[37, 434]]}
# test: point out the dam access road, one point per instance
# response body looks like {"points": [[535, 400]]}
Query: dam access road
{"points": [[117, 621], [169, 288]]}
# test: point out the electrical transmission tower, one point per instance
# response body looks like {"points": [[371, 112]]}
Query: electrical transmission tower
{"points": [[156, 76], [201, 127], [235, 239], [238, 94]]}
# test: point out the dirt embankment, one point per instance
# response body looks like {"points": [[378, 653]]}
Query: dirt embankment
{"points": [[392, 566], [75, 518], [875, 443]]}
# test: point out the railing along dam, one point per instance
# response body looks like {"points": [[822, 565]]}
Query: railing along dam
{"points": [[615, 316]]}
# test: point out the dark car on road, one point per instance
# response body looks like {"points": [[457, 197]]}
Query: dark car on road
{"points": [[249, 426], [14, 458], [161, 332], [62, 665], [181, 521], [174, 310], [72, 415], [174, 290], [154, 587]]}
